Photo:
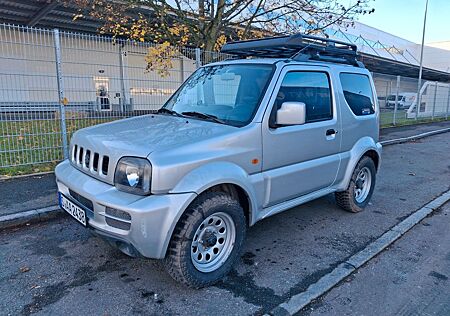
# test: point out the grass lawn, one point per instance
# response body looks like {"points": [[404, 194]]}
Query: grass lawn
{"points": [[36, 146], [386, 119]]}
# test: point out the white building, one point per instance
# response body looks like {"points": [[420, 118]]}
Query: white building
{"points": [[436, 55]]}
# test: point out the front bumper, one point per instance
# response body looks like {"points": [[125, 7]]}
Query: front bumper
{"points": [[153, 217]]}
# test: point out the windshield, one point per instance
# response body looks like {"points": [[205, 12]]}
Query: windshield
{"points": [[230, 94]]}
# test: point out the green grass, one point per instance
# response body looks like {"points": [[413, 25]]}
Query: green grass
{"points": [[386, 119], [36, 146], [38, 143]]}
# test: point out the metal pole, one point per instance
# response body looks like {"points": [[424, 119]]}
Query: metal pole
{"points": [[181, 68], [62, 100], [122, 80], [396, 100], [386, 93], [198, 58], [419, 83], [448, 103], [434, 101]]}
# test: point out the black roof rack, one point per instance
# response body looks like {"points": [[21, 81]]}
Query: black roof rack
{"points": [[298, 47]]}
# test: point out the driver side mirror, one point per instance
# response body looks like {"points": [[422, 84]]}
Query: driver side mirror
{"points": [[291, 113]]}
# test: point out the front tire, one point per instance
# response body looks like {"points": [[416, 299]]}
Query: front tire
{"points": [[207, 240], [360, 188]]}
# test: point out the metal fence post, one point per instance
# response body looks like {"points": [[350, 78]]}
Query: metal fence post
{"points": [[418, 98], [61, 99], [448, 104], [198, 58], [181, 68], [397, 88], [434, 100], [122, 79]]}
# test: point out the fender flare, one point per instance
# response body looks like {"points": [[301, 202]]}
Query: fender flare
{"points": [[215, 173], [361, 147], [207, 176]]}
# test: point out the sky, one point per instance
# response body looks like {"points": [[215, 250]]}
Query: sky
{"points": [[404, 18]]}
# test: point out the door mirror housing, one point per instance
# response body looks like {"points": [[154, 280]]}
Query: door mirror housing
{"points": [[291, 113]]}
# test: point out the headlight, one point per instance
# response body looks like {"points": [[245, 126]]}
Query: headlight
{"points": [[133, 175]]}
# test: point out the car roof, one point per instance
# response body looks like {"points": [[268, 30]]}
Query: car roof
{"points": [[275, 61]]}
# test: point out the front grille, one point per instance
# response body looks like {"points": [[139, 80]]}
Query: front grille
{"points": [[118, 218], [90, 160], [118, 213], [118, 224]]}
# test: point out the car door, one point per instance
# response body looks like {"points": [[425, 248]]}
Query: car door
{"points": [[300, 159]]}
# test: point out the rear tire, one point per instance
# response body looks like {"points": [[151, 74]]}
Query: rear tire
{"points": [[207, 240], [360, 188]]}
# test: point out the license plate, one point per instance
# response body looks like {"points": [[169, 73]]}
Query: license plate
{"points": [[74, 210]]}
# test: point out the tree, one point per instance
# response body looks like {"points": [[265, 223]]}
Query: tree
{"points": [[208, 24]]}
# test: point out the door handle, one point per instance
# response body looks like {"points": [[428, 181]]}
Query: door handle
{"points": [[331, 132]]}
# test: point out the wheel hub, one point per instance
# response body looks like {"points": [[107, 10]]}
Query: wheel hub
{"points": [[213, 242], [359, 183], [209, 239]]}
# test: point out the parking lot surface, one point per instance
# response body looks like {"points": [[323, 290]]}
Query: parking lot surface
{"points": [[58, 267], [411, 278]]}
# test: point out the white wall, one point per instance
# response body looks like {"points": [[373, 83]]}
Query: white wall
{"points": [[437, 55]]}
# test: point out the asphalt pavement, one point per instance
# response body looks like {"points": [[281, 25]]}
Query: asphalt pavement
{"points": [[411, 278], [58, 267], [26, 193], [409, 130]]}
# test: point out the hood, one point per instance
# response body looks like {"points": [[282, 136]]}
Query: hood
{"points": [[139, 136], [142, 135]]}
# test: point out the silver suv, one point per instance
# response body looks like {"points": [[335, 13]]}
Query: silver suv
{"points": [[241, 140]]}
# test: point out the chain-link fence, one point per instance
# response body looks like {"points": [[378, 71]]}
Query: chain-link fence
{"points": [[53, 83], [398, 99]]}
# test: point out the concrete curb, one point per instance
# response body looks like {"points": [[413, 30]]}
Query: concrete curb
{"points": [[5, 178], [330, 280], [29, 217], [414, 137]]}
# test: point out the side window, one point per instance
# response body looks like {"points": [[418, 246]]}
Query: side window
{"points": [[311, 88], [358, 93]]}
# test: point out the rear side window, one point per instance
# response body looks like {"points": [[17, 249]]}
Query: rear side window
{"points": [[311, 88], [358, 93]]}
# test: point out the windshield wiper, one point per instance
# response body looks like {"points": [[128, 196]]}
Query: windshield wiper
{"points": [[205, 116], [168, 111]]}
